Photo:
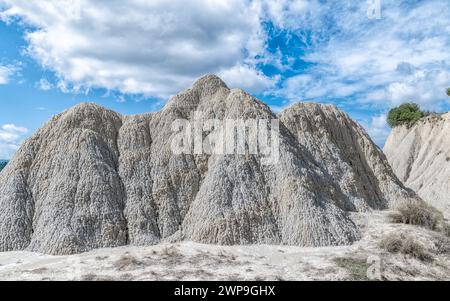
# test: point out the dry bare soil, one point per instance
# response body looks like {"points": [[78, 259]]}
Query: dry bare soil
{"points": [[192, 261]]}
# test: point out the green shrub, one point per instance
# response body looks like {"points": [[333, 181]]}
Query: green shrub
{"points": [[418, 214], [407, 113], [448, 91]]}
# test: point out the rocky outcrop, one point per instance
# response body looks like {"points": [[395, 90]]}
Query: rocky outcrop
{"points": [[91, 178], [420, 156]]}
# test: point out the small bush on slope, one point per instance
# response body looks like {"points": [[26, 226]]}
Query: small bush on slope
{"points": [[442, 245], [405, 246], [407, 113], [446, 229], [392, 243], [412, 248], [418, 214]]}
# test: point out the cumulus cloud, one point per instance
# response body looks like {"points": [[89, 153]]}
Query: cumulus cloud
{"points": [[401, 57], [155, 48], [10, 138], [247, 78], [286, 13]]}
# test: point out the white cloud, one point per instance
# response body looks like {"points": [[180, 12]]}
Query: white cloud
{"points": [[247, 78], [44, 84], [427, 87], [378, 129], [5, 74], [154, 47], [159, 47], [311, 87], [288, 13], [381, 63], [10, 138]]}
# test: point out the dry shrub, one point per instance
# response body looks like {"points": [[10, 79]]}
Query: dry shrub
{"points": [[442, 245], [418, 214], [392, 243], [446, 229], [412, 248], [406, 246]]}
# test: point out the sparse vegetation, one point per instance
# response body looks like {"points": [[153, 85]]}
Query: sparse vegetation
{"points": [[406, 246], [418, 214], [169, 252], [39, 271], [171, 255], [127, 262], [357, 268], [442, 245], [407, 113], [89, 277], [446, 229], [412, 248], [279, 278], [93, 277], [392, 243], [448, 91]]}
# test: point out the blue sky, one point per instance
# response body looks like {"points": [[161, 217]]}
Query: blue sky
{"points": [[363, 56]]}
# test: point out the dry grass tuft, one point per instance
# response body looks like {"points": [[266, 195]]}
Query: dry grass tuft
{"points": [[93, 277], [415, 250], [406, 246], [171, 255], [356, 267], [127, 262], [392, 243], [38, 271], [101, 258]]}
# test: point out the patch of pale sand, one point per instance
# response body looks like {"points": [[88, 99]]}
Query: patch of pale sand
{"points": [[192, 261]]}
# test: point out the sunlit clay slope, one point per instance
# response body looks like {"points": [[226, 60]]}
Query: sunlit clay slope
{"points": [[420, 156], [347, 156]]}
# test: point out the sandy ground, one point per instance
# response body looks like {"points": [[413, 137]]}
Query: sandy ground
{"points": [[192, 261]]}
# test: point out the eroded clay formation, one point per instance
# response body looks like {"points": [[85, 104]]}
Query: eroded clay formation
{"points": [[91, 178]]}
